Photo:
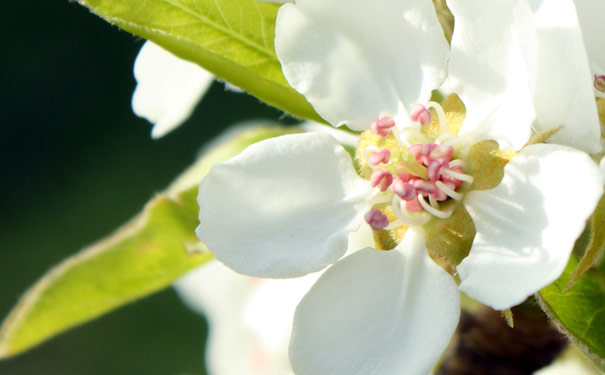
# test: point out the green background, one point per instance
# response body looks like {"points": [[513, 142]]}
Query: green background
{"points": [[77, 163]]}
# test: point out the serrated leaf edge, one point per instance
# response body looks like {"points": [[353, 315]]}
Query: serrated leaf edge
{"points": [[13, 321], [597, 360]]}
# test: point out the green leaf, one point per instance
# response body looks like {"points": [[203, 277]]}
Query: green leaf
{"points": [[580, 312], [145, 255], [596, 246], [233, 39]]}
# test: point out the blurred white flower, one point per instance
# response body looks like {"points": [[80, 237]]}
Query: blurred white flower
{"points": [[249, 318], [168, 88]]}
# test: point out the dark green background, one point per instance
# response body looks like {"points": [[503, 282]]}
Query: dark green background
{"points": [[76, 163]]}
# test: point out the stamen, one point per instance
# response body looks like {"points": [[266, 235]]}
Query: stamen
{"points": [[444, 138], [418, 172], [406, 217], [435, 168], [382, 126], [599, 82], [420, 114], [447, 190], [403, 143], [403, 189], [457, 163], [433, 211], [413, 205], [366, 155], [451, 181], [394, 224], [442, 152], [439, 195], [424, 186], [381, 179], [433, 202], [379, 157], [443, 129], [459, 176], [376, 219]]}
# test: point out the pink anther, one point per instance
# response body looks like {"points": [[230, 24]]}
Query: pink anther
{"points": [[405, 177], [440, 195], [382, 126], [435, 168], [599, 82], [376, 219], [420, 114], [381, 179], [425, 187], [442, 151], [447, 179], [413, 205], [415, 150], [381, 156], [403, 189]]}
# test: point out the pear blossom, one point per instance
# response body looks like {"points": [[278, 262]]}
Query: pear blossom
{"points": [[168, 88], [249, 318], [538, 69], [284, 207]]}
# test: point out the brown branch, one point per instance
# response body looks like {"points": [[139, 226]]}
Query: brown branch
{"points": [[485, 344]]}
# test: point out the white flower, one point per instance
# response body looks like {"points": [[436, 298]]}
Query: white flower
{"points": [[590, 13], [284, 207], [537, 71], [249, 318], [168, 88]]}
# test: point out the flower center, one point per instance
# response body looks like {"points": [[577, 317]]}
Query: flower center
{"points": [[418, 174]]}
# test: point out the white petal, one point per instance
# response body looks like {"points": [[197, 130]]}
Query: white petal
{"points": [[564, 93], [527, 225], [360, 239], [222, 295], [355, 59], [168, 88], [249, 318], [283, 207], [492, 66], [271, 310], [376, 312], [212, 301], [343, 137], [592, 21]]}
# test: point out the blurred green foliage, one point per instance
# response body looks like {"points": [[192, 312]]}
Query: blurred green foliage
{"points": [[76, 164]]}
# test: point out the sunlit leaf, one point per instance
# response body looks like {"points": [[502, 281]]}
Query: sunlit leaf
{"points": [[596, 246], [144, 256], [233, 39], [580, 312]]}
